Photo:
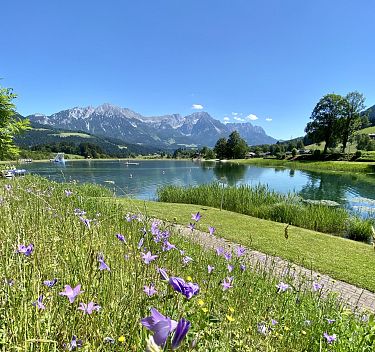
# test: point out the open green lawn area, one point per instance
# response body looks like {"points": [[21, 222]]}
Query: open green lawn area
{"points": [[340, 166], [340, 258]]}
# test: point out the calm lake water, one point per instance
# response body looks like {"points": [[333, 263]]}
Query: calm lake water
{"points": [[356, 192]]}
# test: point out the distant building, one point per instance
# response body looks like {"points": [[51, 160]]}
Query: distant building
{"points": [[250, 155], [371, 135]]}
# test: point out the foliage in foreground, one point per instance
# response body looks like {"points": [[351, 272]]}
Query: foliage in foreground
{"points": [[10, 126], [79, 274], [263, 203]]}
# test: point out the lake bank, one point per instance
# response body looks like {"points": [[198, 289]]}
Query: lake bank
{"points": [[339, 166]]}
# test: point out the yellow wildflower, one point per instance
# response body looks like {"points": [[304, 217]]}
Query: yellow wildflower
{"points": [[189, 278], [200, 302], [230, 318], [204, 309], [121, 339], [231, 309]]}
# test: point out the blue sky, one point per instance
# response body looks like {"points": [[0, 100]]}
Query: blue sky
{"points": [[239, 59]]}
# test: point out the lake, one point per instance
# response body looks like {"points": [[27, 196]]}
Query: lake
{"points": [[354, 191]]}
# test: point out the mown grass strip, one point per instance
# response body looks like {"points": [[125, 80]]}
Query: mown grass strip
{"points": [[343, 259], [341, 166]]}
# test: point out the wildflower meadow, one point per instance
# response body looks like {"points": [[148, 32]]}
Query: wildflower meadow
{"points": [[78, 273]]}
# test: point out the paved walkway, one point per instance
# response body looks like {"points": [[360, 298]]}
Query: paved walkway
{"points": [[355, 297]]}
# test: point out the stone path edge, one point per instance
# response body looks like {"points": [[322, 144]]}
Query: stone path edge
{"points": [[355, 297]]}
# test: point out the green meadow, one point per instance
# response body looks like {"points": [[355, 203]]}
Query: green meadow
{"points": [[57, 237]]}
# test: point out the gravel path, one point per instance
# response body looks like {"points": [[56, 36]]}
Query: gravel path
{"points": [[355, 297]]}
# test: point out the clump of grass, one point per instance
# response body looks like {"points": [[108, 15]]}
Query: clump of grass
{"points": [[263, 203]]}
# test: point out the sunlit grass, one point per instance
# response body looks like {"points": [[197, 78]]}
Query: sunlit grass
{"points": [[242, 318], [261, 202]]}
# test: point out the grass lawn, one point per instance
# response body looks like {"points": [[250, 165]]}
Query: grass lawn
{"points": [[340, 166], [340, 258]]}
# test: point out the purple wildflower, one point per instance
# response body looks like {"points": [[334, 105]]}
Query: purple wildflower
{"points": [[8, 187], [182, 329], [316, 286], [330, 321], [160, 325], [50, 283], [243, 267], [148, 257], [191, 226], [149, 290], [71, 293], [120, 237], [227, 283], [274, 322], [228, 255], [163, 274], [85, 221], [230, 268], [79, 212], [154, 227], [75, 343], [140, 243], [210, 268], [39, 303], [186, 260], [211, 230], [240, 251], [196, 217], [188, 289], [26, 250], [89, 307], [167, 246], [102, 264], [282, 287], [68, 192], [330, 338], [220, 251]]}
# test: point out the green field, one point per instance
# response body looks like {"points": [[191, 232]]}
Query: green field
{"points": [[340, 258], [71, 134], [88, 241]]}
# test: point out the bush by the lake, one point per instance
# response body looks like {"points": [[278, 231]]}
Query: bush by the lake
{"points": [[259, 201], [78, 273]]}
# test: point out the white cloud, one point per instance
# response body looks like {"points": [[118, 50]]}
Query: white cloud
{"points": [[239, 119], [268, 119], [252, 117], [234, 113], [197, 106], [226, 118]]}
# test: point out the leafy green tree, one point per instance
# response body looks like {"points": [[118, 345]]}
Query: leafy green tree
{"points": [[300, 144], [326, 118], [236, 146], [221, 148], [352, 120], [10, 125]]}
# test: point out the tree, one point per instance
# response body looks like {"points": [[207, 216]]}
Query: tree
{"points": [[351, 121], [10, 125], [221, 148], [326, 117], [236, 146]]}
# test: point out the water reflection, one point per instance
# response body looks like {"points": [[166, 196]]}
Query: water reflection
{"points": [[231, 173], [141, 181]]}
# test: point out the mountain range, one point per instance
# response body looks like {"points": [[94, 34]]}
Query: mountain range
{"points": [[167, 131]]}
